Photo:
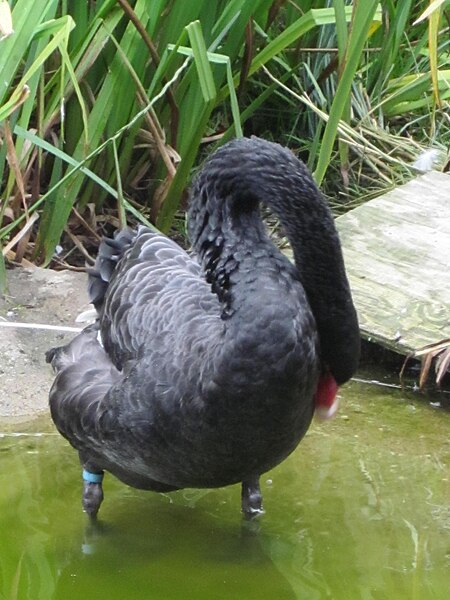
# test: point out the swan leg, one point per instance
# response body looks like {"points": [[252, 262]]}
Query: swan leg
{"points": [[251, 498], [92, 492]]}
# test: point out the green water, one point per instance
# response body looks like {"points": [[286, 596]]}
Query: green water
{"points": [[360, 511]]}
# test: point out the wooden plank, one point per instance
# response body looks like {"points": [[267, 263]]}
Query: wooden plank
{"points": [[397, 254]]}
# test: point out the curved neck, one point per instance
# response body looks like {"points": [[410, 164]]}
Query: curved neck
{"points": [[223, 214]]}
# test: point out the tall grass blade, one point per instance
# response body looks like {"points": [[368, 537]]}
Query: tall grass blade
{"points": [[362, 19], [59, 30], [192, 139], [2, 272], [435, 6], [433, 32]]}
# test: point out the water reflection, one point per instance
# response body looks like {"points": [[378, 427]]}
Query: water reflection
{"points": [[361, 510], [172, 552]]}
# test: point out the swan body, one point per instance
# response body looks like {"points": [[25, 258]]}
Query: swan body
{"points": [[201, 371]]}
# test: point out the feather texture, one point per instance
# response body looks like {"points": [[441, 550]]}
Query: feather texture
{"points": [[201, 370]]}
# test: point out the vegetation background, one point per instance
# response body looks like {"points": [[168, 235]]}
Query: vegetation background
{"points": [[107, 106]]}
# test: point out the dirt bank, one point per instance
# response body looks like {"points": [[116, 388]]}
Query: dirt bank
{"points": [[43, 297]]}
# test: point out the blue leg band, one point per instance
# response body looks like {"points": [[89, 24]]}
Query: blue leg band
{"points": [[92, 477]]}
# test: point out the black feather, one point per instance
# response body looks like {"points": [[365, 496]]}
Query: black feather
{"points": [[201, 370]]}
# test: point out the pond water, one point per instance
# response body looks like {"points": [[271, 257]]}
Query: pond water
{"points": [[360, 511]]}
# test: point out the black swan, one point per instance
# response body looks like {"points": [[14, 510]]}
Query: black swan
{"points": [[204, 370]]}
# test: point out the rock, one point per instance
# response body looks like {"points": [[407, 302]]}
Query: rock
{"points": [[37, 296]]}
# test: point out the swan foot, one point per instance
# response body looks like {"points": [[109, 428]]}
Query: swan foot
{"points": [[92, 492], [251, 498]]}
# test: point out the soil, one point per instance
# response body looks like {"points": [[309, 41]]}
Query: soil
{"points": [[43, 297]]}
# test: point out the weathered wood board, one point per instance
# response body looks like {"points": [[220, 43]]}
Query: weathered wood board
{"points": [[397, 255]]}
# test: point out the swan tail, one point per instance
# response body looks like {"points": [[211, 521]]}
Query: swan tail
{"points": [[84, 375], [109, 254]]}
